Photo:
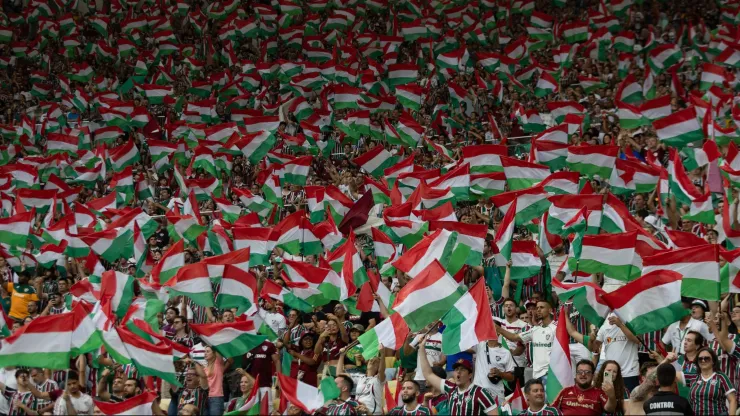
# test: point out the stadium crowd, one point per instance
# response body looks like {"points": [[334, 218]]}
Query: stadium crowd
{"points": [[399, 207]]}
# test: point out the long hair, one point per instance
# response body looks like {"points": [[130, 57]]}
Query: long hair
{"points": [[715, 360], [617, 381]]}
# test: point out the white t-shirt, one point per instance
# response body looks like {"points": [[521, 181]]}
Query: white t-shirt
{"points": [[616, 346], [7, 377], [83, 405], [541, 338], [674, 336], [434, 353], [276, 321], [498, 357], [369, 392], [513, 327]]}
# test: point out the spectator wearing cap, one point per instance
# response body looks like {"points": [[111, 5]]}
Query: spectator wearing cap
{"points": [[465, 398], [676, 332], [698, 309]]}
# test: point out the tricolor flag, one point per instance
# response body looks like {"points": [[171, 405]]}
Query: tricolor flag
{"points": [[592, 160], [649, 303], [530, 203], [117, 289], [546, 85], [140, 405], [316, 285], [193, 281], [560, 370], [586, 298], [307, 397], [505, 233], [614, 256], [469, 321], [125, 156], [229, 339], [484, 158], [565, 207], [427, 297], [698, 266], [51, 341], [523, 175], [390, 333], [170, 263], [14, 230], [238, 289], [679, 129], [375, 161]]}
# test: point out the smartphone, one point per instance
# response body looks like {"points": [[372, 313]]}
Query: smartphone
{"points": [[707, 315], [608, 376]]}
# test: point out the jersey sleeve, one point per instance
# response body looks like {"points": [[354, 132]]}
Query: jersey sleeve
{"points": [[8, 393], [486, 400], [446, 386], [667, 336], [727, 385], [526, 336]]}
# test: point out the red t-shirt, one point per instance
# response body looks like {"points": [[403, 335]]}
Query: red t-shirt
{"points": [[262, 365], [574, 401]]}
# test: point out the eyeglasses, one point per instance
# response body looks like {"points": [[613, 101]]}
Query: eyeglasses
{"points": [[705, 359], [584, 372]]}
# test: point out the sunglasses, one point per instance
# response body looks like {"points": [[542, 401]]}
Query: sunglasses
{"points": [[705, 359]]}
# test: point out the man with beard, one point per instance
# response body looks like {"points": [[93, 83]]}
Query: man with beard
{"points": [[583, 398], [411, 407]]}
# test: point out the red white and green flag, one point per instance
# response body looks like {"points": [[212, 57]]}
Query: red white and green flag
{"points": [[140, 405], [229, 339], [193, 281], [505, 233], [484, 158], [560, 370], [679, 128], [117, 289], [649, 303], [698, 266], [316, 285], [170, 263], [546, 84], [469, 321], [375, 161], [390, 333], [565, 207], [51, 341], [427, 297], [586, 298], [592, 160], [521, 174], [14, 230], [294, 234], [125, 156], [614, 256]]}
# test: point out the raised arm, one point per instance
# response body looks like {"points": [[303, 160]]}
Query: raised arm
{"points": [[426, 369]]}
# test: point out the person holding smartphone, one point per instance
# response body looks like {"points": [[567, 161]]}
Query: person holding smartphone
{"points": [[609, 378]]}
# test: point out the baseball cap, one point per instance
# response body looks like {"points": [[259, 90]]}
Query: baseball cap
{"points": [[357, 327], [463, 363], [699, 302]]}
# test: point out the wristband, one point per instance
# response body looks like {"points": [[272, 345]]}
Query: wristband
{"points": [[585, 341]]}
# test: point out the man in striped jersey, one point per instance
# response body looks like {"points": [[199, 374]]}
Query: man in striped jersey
{"points": [[21, 399], [44, 384], [465, 397], [534, 391]]}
